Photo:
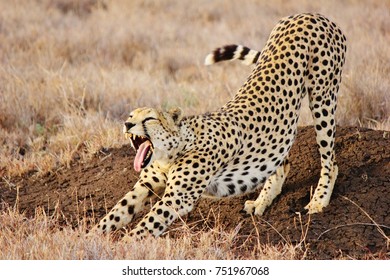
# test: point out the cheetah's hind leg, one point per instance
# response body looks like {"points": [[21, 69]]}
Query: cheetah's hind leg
{"points": [[323, 191], [323, 108], [329, 170], [272, 188]]}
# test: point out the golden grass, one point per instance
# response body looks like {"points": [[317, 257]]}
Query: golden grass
{"points": [[44, 238], [72, 70]]}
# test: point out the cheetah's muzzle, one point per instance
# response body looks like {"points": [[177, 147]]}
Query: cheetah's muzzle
{"points": [[143, 148]]}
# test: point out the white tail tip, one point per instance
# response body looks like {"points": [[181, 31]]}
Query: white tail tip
{"points": [[209, 59]]}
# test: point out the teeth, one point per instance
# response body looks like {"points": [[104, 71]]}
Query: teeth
{"points": [[134, 137], [149, 154]]}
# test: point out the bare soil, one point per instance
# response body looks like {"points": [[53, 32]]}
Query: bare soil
{"points": [[343, 229]]}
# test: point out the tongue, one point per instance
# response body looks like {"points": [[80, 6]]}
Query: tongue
{"points": [[140, 156]]}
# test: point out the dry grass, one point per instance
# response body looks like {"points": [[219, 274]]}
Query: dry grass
{"points": [[71, 70], [44, 237]]}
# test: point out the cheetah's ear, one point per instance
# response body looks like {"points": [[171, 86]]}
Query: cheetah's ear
{"points": [[175, 114]]}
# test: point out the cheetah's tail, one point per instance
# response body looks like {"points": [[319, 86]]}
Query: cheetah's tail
{"points": [[233, 52]]}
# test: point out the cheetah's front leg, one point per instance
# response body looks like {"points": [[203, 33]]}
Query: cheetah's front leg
{"points": [[179, 199], [133, 202], [163, 214], [156, 221]]}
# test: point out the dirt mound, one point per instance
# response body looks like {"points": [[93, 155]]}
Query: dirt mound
{"points": [[353, 224]]}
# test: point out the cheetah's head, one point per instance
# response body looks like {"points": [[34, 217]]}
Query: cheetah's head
{"points": [[153, 134]]}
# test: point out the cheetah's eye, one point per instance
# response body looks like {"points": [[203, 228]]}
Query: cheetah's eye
{"points": [[149, 119]]}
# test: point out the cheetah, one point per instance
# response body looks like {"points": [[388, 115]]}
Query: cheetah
{"points": [[244, 145]]}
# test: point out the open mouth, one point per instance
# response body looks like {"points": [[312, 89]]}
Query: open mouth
{"points": [[144, 150]]}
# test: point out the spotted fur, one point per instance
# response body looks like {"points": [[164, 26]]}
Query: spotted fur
{"points": [[245, 144]]}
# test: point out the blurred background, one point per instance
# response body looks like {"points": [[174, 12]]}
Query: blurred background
{"points": [[71, 71]]}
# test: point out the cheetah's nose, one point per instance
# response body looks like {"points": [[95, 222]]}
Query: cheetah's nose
{"points": [[129, 125]]}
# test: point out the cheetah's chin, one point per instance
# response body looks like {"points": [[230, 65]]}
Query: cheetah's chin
{"points": [[144, 150]]}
